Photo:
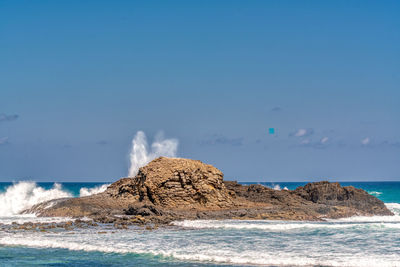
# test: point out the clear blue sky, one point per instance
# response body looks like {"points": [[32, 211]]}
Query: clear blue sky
{"points": [[79, 78]]}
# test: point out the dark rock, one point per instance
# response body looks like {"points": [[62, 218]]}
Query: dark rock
{"points": [[333, 194], [145, 210]]}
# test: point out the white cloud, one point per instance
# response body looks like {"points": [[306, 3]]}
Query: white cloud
{"points": [[321, 144], [365, 141], [276, 109], [222, 140], [324, 140], [3, 140], [5, 117], [305, 142], [302, 132]]}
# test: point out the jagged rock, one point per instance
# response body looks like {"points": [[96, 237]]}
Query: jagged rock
{"points": [[173, 182], [263, 194], [314, 200], [125, 188], [145, 210], [333, 194]]}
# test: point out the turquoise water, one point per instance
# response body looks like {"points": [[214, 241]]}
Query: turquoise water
{"points": [[357, 241], [24, 256]]}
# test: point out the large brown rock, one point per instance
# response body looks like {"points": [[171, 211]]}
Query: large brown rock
{"points": [[173, 182]]}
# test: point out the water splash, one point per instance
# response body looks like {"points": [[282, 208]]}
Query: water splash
{"points": [[278, 187], [375, 193], [141, 155], [23, 195], [84, 191]]}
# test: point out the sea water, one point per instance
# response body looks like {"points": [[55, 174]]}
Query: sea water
{"points": [[356, 241]]}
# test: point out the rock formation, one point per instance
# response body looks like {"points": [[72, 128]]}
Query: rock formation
{"points": [[355, 200], [170, 189], [314, 200], [172, 182]]}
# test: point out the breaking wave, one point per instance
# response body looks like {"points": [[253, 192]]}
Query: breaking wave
{"points": [[84, 191], [265, 249], [25, 194], [393, 207], [284, 226], [278, 187], [375, 193]]}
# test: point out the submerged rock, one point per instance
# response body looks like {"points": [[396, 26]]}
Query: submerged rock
{"points": [[170, 189]]}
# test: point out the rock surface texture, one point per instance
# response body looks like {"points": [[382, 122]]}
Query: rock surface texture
{"points": [[171, 182], [170, 189], [356, 201]]}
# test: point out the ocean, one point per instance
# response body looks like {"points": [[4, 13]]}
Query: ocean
{"points": [[356, 241]]}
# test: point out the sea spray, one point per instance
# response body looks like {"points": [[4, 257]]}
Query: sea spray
{"points": [[23, 195], [278, 187], [140, 154], [84, 191]]}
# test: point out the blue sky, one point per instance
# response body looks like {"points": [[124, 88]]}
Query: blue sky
{"points": [[80, 78]]}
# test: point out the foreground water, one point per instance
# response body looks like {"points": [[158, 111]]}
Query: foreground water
{"points": [[357, 241]]}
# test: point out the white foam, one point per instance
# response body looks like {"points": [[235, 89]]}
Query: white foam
{"points": [[23, 218], [84, 191], [277, 187], [375, 193], [192, 246], [393, 207], [23, 195], [280, 259], [277, 226]]}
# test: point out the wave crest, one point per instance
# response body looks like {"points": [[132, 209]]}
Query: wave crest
{"points": [[23, 195], [84, 191]]}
